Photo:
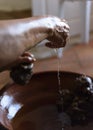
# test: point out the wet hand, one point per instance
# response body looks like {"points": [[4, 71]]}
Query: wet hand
{"points": [[26, 58], [60, 34], [22, 72]]}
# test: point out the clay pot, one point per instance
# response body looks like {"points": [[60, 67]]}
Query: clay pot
{"points": [[33, 106]]}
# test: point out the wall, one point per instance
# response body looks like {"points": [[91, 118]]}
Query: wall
{"points": [[92, 16], [72, 12], [9, 5]]}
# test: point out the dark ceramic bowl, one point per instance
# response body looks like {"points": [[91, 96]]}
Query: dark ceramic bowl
{"points": [[37, 105]]}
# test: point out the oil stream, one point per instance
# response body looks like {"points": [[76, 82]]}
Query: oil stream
{"points": [[62, 116]]}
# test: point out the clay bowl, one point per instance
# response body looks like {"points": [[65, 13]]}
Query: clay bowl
{"points": [[35, 106]]}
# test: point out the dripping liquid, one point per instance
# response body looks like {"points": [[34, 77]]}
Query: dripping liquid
{"points": [[62, 116], [59, 57]]}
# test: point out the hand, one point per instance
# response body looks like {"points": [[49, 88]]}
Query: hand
{"points": [[60, 33], [22, 72], [26, 58]]}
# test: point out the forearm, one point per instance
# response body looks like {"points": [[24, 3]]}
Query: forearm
{"points": [[17, 36], [33, 29]]}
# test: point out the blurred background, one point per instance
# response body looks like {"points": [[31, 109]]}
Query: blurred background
{"points": [[78, 54]]}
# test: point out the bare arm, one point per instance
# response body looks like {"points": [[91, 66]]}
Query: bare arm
{"points": [[18, 36]]}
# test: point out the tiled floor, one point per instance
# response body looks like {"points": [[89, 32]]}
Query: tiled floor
{"points": [[76, 58]]}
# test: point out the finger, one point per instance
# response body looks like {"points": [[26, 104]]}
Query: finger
{"points": [[26, 59], [28, 54]]}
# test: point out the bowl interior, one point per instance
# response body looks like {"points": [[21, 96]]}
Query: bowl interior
{"points": [[43, 107]]}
